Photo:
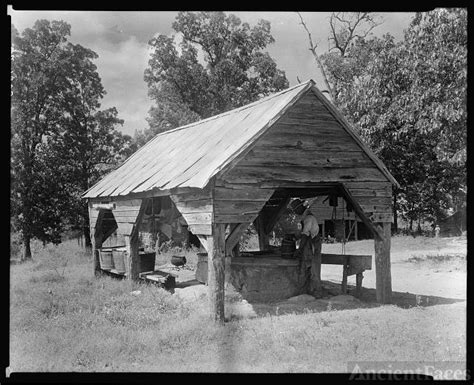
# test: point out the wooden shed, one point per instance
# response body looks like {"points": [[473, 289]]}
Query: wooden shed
{"points": [[242, 166]]}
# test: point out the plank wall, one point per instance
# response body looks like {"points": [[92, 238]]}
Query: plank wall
{"points": [[308, 144]]}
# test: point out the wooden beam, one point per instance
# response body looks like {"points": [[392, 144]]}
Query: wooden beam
{"points": [[103, 206], [96, 239], [383, 278], [263, 238], [273, 219], [216, 271], [234, 237], [109, 233], [203, 240], [376, 230], [132, 265]]}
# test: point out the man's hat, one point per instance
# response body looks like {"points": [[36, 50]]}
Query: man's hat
{"points": [[295, 204]]}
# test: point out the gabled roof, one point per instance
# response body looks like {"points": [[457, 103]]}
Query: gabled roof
{"points": [[189, 156]]}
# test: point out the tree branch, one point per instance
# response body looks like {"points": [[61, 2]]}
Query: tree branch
{"points": [[312, 48]]}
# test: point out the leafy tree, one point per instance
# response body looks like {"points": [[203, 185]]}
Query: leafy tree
{"points": [[218, 65], [57, 132], [408, 100], [89, 146]]}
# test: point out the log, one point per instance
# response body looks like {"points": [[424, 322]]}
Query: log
{"points": [[216, 271], [383, 279]]}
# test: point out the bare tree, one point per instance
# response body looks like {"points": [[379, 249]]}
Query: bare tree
{"points": [[348, 26], [312, 48]]}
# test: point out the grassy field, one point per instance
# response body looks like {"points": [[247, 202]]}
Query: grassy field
{"points": [[64, 319]]}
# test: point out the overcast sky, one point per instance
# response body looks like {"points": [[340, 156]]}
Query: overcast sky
{"points": [[120, 39]]}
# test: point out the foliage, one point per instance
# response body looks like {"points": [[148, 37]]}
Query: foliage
{"points": [[218, 65], [60, 140], [408, 101]]}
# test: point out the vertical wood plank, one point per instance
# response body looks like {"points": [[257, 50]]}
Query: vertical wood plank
{"points": [[263, 238], [216, 271], [345, 267], [132, 264], [383, 278], [96, 239]]}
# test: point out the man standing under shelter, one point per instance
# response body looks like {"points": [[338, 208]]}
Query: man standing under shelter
{"points": [[309, 250]]}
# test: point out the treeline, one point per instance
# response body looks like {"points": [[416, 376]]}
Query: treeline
{"points": [[407, 100]]}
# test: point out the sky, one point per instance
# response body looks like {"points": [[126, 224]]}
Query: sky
{"points": [[120, 38]]}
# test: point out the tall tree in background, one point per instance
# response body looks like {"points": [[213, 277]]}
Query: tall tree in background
{"points": [[346, 29], [408, 101], [218, 65], [55, 93]]}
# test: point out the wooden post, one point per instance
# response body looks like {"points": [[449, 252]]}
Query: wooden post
{"points": [[96, 240], [132, 261], [383, 280], [216, 271], [345, 268], [356, 236], [263, 238], [359, 277], [324, 229], [132, 264]]}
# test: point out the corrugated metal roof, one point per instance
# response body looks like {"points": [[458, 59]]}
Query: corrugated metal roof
{"points": [[189, 156]]}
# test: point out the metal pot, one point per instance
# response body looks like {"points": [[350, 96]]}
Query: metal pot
{"points": [[178, 260]]}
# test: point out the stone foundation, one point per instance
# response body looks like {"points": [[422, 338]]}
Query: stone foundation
{"points": [[259, 279]]}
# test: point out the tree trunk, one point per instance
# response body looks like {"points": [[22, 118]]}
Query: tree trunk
{"points": [[26, 248]]}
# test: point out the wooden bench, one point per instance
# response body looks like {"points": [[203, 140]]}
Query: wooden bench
{"points": [[352, 264]]}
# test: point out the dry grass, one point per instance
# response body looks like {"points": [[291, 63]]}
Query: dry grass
{"points": [[64, 319]]}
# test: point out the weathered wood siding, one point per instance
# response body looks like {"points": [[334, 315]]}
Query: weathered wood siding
{"points": [[125, 214], [308, 144], [196, 209], [236, 203]]}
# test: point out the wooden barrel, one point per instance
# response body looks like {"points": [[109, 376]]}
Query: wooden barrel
{"points": [[288, 246], [119, 260], [106, 259]]}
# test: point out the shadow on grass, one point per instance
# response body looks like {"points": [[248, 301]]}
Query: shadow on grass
{"points": [[331, 301]]}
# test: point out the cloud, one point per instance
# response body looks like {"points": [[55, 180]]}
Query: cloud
{"points": [[121, 67]]}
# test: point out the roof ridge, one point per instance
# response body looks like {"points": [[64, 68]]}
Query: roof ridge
{"points": [[238, 109]]}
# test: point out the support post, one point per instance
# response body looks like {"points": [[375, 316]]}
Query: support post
{"points": [[383, 280], [132, 262], [216, 271], [263, 238], [96, 240], [356, 230], [359, 277], [345, 269]]}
